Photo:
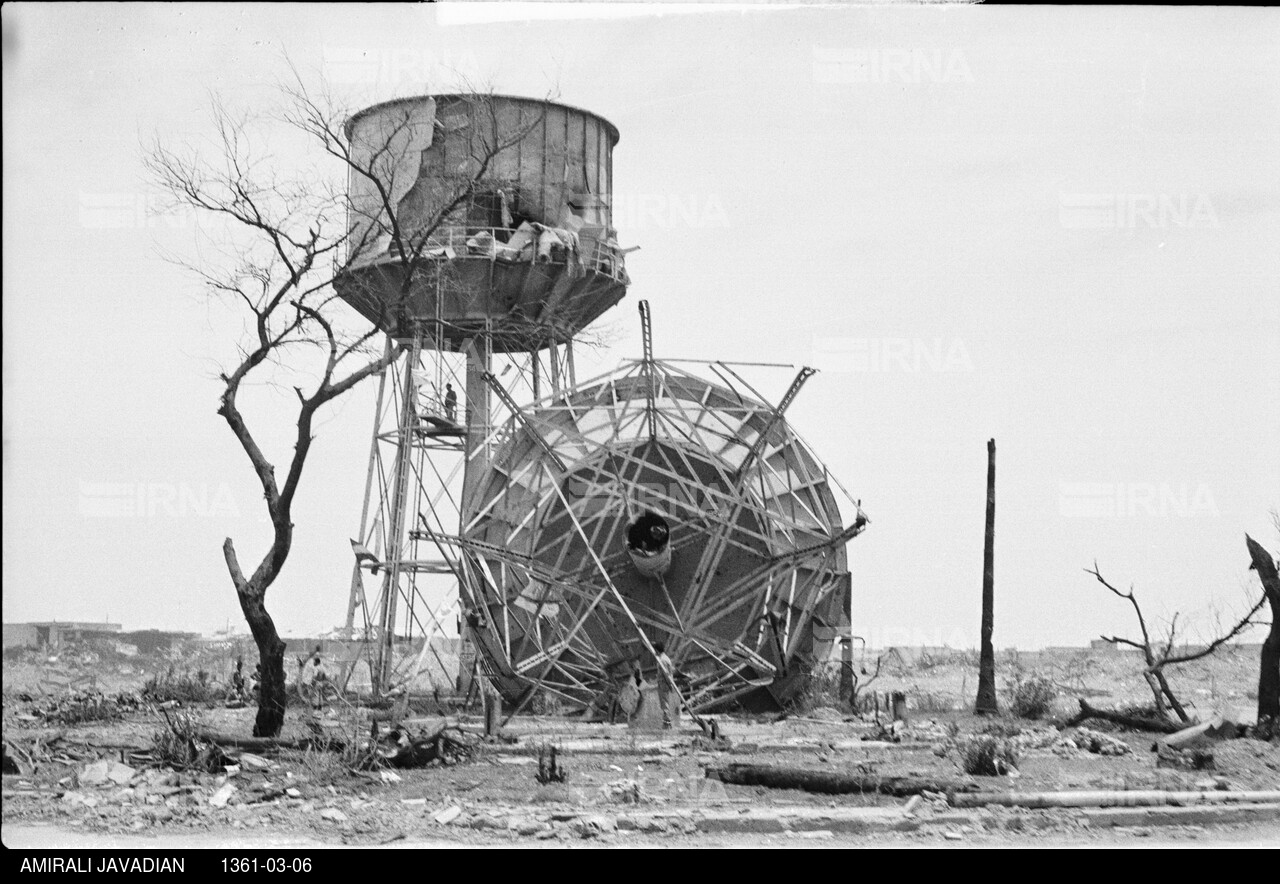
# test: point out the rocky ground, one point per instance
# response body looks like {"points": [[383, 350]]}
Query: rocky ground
{"points": [[623, 786]]}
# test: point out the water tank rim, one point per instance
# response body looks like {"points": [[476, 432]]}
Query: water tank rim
{"points": [[614, 135]]}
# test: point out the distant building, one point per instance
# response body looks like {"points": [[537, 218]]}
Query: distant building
{"points": [[20, 635], [51, 635], [1101, 644], [149, 641]]}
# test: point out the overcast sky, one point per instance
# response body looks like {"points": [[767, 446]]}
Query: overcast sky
{"points": [[1056, 227]]}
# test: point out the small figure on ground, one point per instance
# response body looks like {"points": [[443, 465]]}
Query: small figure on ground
{"points": [[312, 678], [629, 696], [238, 689], [666, 683]]}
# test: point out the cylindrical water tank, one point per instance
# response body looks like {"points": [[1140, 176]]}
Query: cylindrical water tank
{"points": [[512, 197]]}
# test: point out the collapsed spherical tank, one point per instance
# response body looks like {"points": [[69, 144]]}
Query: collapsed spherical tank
{"points": [[655, 502]]}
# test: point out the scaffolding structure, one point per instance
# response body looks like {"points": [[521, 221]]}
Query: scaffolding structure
{"points": [[404, 582]]}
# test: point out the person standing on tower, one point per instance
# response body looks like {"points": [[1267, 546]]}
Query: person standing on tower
{"points": [[450, 403]]}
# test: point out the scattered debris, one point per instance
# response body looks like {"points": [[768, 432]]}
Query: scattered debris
{"points": [[82, 707], [79, 798], [1037, 738], [253, 762], [101, 772], [1086, 740], [1184, 759], [447, 745], [549, 767], [622, 792], [448, 815], [222, 796], [594, 826]]}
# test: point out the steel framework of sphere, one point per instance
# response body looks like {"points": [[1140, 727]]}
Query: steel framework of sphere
{"points": [[753, 587]]}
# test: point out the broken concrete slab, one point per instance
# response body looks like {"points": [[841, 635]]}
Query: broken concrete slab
{"points": [[105, 771], [448, 815], [526, 825], [120, 773], [596, 823], [222, 796], [249, 761]]}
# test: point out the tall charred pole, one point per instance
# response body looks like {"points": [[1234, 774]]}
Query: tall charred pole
{"points": [[986, 704], [1269, 676]]}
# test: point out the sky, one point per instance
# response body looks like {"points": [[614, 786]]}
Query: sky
{"points": [[1054, 227]]}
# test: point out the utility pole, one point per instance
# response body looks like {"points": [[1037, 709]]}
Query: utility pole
{"points": [[986, 704]]}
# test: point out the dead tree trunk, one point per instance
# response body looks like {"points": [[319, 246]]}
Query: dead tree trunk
{"points": [[826, 782], [272, 699], [1268, 725], [1160, 725], [986, 703]]}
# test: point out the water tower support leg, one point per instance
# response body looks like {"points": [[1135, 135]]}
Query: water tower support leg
{"points": [[396, 534]]}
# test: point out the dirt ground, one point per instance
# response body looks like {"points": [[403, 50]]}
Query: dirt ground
{"points": [[624, 786]]}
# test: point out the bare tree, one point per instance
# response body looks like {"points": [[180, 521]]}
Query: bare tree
{"points": [[859, 685], [289, 240], [1158, 652]]}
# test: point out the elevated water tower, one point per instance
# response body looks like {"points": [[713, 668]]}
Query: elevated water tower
{"points": [[572, 525], [498, 251]]}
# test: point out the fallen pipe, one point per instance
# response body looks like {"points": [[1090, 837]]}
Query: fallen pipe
{"points": [[1149, 798]]}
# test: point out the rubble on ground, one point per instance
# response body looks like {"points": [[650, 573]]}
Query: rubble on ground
{"points": [[1083, 739]]}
